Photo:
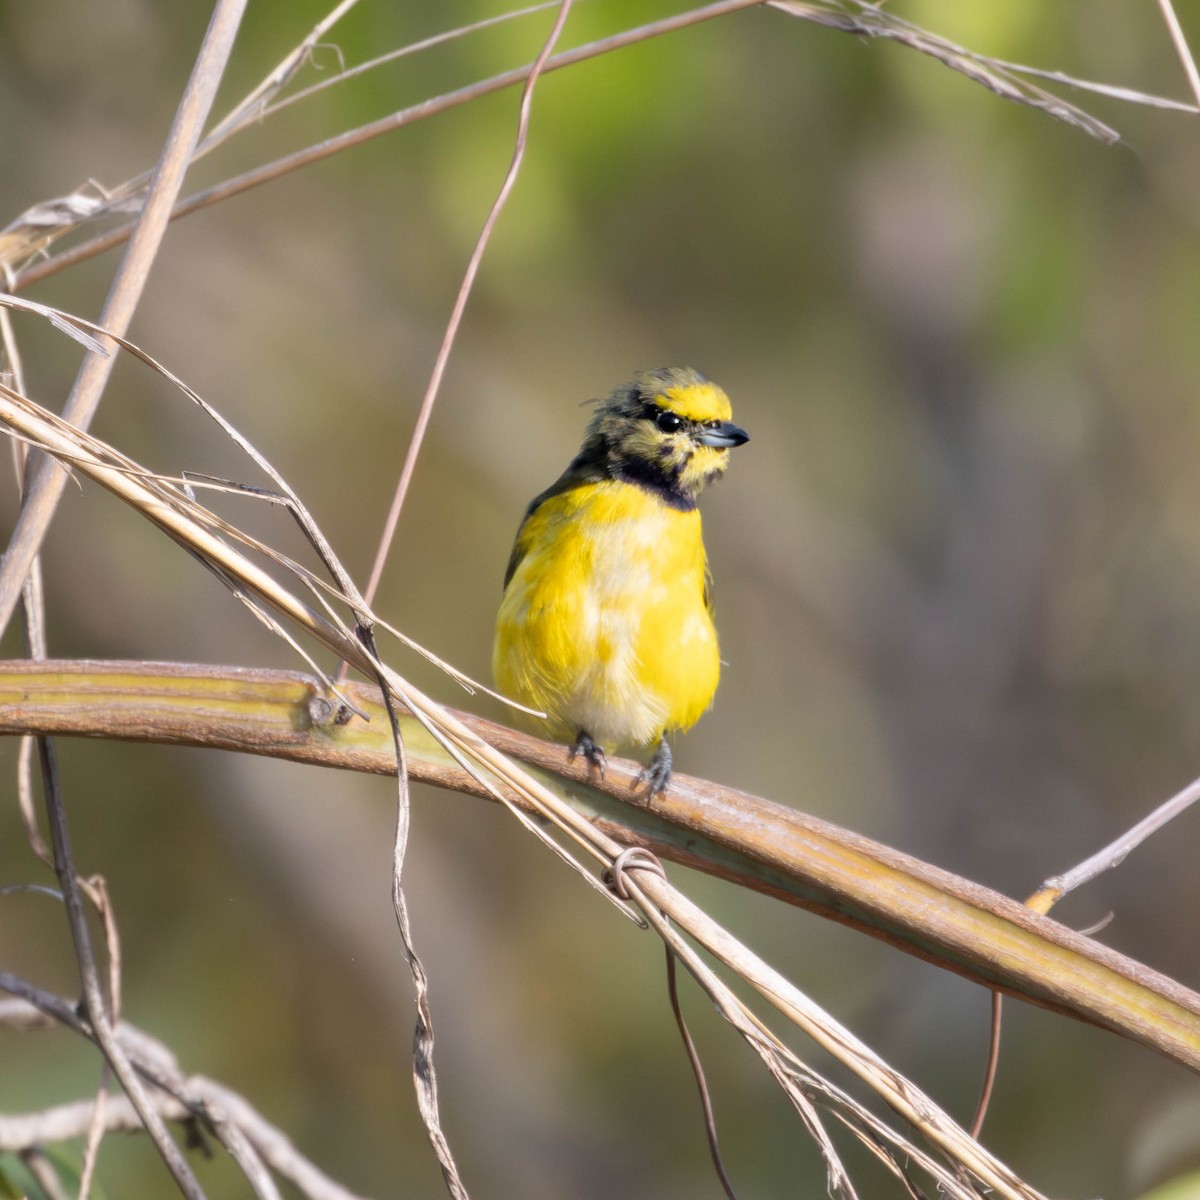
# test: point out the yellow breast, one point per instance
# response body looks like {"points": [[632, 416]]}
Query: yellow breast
{"points": [[604, 624]]}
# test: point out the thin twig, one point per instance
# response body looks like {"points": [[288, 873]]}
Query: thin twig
{"points": [[128, 283], [659, 900], [93, 998], [991, 1066], [177, 1097], [1112, 855], [252, 106], [689, 1045], [460, 302], [38, 507], [364, 133], [82, 330], [1179, 41], [991, 72], [665, 901], [1007, 80], [48, 222], [34, 609], [424, 1072], [614, 876], [34, 628], [97, 1128], [392, 56]]}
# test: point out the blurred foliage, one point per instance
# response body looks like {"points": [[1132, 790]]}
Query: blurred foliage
{"points": [[957, 569]]}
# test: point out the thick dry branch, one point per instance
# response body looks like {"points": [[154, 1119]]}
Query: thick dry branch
{"points": [[753, 842]]}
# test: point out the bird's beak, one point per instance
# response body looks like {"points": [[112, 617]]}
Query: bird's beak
{"points": [[723, 436]]}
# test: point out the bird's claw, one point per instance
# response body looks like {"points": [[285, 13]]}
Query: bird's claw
{"points": [[592, 751], [657, 773]]}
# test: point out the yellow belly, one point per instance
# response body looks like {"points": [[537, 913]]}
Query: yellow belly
{"points": [[604, 624]]}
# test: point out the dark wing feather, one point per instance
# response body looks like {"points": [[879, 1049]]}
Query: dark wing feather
{"points": [[570, 478], [519, 550]]}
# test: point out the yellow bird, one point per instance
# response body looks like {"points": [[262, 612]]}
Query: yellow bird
{"points": [[606, 623]]}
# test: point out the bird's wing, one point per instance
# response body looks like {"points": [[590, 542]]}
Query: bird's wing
{"points": [[521, 544], [519, 550]]}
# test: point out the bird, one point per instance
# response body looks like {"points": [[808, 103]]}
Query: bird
{"points": [[606, 620]]}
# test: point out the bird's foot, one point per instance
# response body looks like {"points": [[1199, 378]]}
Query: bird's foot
{"points": [[592, 751], [657, 774]]}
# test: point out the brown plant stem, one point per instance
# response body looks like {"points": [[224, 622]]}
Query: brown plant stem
{"points": [[921, 909]]}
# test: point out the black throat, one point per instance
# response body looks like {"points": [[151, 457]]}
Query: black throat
{"points": [[656, 477]]}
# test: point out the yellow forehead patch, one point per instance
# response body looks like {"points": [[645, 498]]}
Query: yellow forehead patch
{"points": [[697, 401]]}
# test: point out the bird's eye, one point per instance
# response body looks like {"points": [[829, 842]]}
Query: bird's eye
{"points": [[668, 421]]}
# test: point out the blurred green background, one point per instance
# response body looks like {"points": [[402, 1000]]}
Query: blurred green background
{"points": [[957, 568]]}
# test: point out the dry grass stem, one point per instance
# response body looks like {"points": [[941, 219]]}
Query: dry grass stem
{"points": [[1008, 80], [34, 231], [899, 1093], [177, 1097], [437, 39], [250, 109], [460, 301], [13, 241], [93, 1002], [88, 334], [96, 1130], [41, 499], [1179, 41], [689, 1044]]}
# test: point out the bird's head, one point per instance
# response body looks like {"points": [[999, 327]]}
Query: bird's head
{"points": [[668, 430]]}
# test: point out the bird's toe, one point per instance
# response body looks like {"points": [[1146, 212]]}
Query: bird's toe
{"points": [[591, 750], [657, 774]]}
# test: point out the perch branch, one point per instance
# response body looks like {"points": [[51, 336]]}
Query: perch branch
{"points": [[949, 921]]}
